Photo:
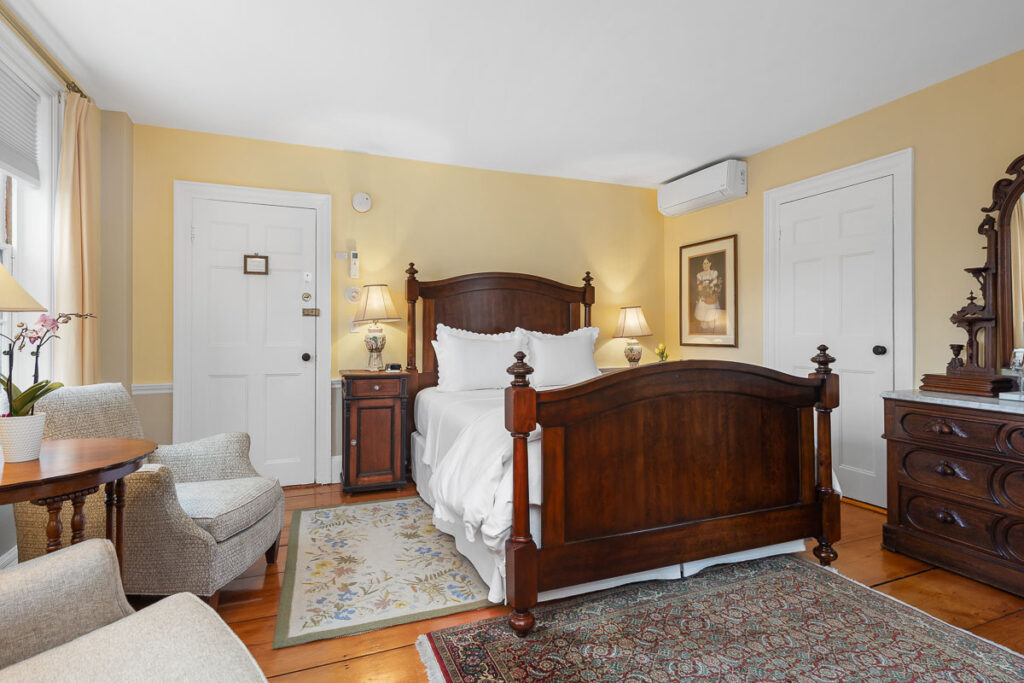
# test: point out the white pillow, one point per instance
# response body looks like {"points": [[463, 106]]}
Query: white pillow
{"points": [[561, 359], [468, 360]]}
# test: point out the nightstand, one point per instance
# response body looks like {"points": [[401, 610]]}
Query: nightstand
{"points": [[374, 419]]}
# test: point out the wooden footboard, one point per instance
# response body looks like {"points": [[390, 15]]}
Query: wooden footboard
{"points": [[667, 463]]}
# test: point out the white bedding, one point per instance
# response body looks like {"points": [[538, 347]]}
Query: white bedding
{"points": [[462, 466]]}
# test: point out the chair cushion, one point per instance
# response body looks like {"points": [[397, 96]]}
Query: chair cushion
{"points": [[225, 507]]}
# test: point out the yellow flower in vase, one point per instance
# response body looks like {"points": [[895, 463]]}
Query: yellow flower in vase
{"points": [[661, 352]]}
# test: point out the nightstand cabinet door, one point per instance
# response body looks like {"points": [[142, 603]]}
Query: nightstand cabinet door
{"points": [[374, 433]]}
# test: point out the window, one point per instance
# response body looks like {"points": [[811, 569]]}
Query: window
{"points": [[31, 102]]}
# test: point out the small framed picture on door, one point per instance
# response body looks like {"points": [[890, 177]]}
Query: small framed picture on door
{"points": [[707, 293]]}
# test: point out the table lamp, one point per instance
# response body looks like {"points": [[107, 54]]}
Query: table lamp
{"points": [[375, 307], [14, 299], [632, 324]]}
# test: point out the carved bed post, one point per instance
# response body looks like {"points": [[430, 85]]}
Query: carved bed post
{"points": [[520, 550], [829, 499], [412, 293], [588, 298]]}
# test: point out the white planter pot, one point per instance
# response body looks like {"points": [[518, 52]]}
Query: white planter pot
{"points": [[21, 437]]}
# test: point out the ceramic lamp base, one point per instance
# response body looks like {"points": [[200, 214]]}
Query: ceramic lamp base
{"points": [[633, 352], [375, 341]]}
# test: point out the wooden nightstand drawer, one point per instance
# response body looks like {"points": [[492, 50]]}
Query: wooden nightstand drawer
{"points": [[373, 387]]}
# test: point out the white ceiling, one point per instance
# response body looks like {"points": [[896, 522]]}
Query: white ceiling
{"points": [[630, 92]]}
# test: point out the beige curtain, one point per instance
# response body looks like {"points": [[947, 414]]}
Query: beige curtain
{"points": [[77, 241]]}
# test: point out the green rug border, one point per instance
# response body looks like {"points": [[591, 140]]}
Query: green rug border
{"points": [[284, 605]]}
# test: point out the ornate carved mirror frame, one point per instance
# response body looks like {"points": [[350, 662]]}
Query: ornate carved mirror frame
{"points": [[989, 324], [1005, 194]]}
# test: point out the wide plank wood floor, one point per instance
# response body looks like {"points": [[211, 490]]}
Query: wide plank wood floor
{"points": [[249, 603]]}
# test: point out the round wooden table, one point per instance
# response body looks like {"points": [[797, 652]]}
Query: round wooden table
{"points": [[71, 469]]}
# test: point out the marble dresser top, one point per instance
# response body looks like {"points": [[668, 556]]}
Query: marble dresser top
{"points": [[957, 400]]}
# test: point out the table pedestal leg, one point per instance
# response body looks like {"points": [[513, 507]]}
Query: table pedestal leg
{"points": [[54, 528]]}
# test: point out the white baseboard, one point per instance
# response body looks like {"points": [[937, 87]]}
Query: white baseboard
{"points": [[144, 389], [10, 558]]}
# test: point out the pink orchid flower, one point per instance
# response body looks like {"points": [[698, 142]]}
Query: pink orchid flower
{"points": [[33, 335], [48, 322]]}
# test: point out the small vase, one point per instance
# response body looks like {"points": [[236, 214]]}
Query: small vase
{"points": [[21, 437]]}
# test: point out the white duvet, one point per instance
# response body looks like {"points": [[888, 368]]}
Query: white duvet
{"points": [[472, 484]]}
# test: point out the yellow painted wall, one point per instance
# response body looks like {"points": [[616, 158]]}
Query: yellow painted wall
{"points": [[964, 132], [449, 220]]}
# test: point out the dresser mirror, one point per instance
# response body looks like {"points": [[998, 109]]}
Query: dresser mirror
{"points": [[1011, 247], [993, 314]]}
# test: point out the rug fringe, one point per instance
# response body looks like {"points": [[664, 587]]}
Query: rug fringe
{"points": [[430, 663]]}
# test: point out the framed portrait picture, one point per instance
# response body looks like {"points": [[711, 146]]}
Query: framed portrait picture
{"points": [[707, 293]]}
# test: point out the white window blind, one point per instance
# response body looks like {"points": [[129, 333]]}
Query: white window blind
{"points": [[19, 110]]}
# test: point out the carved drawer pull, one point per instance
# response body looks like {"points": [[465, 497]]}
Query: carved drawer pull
{"points": [[945, 428], [948, 517], [945, 469]]}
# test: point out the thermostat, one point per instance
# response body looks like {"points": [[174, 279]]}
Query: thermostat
{"points": [[361, 202]]}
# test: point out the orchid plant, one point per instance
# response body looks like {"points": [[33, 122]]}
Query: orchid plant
{"points": [[35, 336]]}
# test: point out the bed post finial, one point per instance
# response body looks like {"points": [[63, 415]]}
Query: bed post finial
{"points": [[823, 360], [588, 298], [411, 270], [520, 371]]}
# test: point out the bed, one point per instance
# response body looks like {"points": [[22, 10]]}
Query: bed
{"points": [[633, 472]]}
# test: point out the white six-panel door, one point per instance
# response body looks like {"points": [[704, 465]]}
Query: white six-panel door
{"points": [[248, 333], [835, 286]]}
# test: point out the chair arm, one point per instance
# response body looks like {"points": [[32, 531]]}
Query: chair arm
{"points": [[56, 598], [165, 550], [224, 456]]}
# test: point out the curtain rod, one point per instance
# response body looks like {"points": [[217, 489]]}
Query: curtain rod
{"points": [[31, 42]]}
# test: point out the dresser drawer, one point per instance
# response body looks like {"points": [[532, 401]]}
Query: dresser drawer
{"points": [[961, 475], [953, 521], [948, 429], [372, 386]]}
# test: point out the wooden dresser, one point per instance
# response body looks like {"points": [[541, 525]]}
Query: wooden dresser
{"points": [[956, 484], [375, 429]]}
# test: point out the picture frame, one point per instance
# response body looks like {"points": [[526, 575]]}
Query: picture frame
{"points": [[254, 264], [707, 293]]}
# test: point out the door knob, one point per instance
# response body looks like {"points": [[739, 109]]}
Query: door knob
{"points": [[879, 350], [306, 356]]}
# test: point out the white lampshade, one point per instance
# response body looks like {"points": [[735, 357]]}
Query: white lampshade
{"points": [[376, 305], [13, 297], [632, 323]]}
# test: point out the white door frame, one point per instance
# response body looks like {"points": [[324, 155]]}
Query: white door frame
{"points": [[185, 193], [899, 165]]}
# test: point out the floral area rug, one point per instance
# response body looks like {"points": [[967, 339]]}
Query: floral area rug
{"points": [[777, 619], [360, 567]]}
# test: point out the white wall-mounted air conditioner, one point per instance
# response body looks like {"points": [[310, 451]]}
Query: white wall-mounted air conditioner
{"points": [[707, 187]]}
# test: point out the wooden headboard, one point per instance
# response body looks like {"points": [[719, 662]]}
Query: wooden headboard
{"points": [[490, 303]]}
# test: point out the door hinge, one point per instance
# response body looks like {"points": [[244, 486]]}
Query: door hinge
{"points": [[193, 234], [311, 312]]}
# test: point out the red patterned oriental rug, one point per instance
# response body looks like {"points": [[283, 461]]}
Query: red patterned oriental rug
{"points": [[777, 619]]}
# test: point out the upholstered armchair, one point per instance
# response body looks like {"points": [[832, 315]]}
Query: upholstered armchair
{"points": [[65, 618], [196, 515]]}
